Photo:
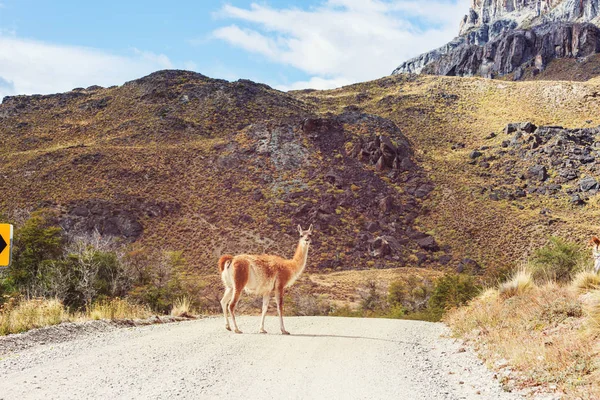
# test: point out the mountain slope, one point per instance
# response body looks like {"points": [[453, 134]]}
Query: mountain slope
{"points": [[447, 119], [179, 161], [402, 171]]}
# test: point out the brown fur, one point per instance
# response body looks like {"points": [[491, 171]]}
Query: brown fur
{"points": [[262, 274], [595, 241], [223, 260]]}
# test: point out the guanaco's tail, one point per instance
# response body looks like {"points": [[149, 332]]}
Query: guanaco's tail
{"points": [[224, 260]]}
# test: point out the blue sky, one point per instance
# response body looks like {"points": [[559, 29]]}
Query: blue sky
{"points": [[52, 46]]}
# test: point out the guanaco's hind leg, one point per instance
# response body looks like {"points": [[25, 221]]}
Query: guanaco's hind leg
{"points": [[265, 307], [232, 304], [279, 300], [225, 303], [240, 279]]}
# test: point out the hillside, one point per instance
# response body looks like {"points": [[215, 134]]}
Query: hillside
{"points": [[402, 171], [179, 161], [487, 206]]}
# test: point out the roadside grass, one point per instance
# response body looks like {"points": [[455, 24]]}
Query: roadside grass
{"points": [[585, 280], [182, 307], [21, 316], [542, 337], [115, 309], [18, 316]]}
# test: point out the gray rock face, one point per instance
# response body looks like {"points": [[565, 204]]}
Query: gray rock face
{"points": [[500, 37]]}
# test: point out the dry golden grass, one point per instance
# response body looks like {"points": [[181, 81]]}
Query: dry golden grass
{"points": [[116, 309], [29, 314], [520, 283], [20, 316], [585, 281], [182, 307], [542, 334]]}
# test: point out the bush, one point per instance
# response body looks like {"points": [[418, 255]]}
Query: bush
{"points": [[36, 242], [452, 291], [302, 304], [558, 261], [411, 295], [372, 300], [162, 283]]}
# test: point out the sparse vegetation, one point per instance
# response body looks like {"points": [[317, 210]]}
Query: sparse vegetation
{"points": [[117, 309], [543, 334], [20, 316], [520, 283], [558, 261]]}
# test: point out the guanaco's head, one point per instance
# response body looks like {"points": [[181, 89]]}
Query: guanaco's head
{"points": [[305, 235]]}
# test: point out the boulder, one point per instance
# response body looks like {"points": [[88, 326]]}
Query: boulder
{"points": [[475, 154], [537, 172], [427, 243], [588, 184]]}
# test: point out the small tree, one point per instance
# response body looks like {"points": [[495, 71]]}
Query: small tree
{"points": [[559, 260], [453, 291], [36, 242]]}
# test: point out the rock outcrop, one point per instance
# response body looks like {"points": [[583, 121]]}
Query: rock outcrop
{"points": [[502, 37]]}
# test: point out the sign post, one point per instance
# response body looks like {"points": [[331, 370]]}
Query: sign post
{"points": [[6, 236]]}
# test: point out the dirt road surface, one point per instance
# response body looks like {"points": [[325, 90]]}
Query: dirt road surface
{"points": [[324, 358]]}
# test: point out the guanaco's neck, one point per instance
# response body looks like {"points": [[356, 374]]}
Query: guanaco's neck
{"points": [[301, 256]]}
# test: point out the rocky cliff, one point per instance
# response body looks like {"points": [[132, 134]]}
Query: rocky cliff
{"points": [[497, 38]]}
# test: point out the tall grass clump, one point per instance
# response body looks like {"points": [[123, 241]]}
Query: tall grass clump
{"points": [[115, 309], [520, 283], [586, 280], [557, 261], [20, 316], [182, 307]]}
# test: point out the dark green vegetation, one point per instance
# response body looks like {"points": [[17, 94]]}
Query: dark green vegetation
{"points": [[82, 270]]}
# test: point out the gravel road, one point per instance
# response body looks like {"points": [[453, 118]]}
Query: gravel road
{"points": [[324, 358]]}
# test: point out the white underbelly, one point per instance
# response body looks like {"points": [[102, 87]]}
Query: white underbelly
{"points": [[257, 284]]}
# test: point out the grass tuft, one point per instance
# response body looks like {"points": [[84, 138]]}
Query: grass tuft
{"points": [[585, 281], [115, 309], [182, 307], [520, 283], [16, 317]]}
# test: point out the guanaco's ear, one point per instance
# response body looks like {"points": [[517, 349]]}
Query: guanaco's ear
{"points": [[299, 229], [310, 229]]}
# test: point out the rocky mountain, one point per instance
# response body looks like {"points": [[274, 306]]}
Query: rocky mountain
{"points": [[518, 38], [179, 161], [404, 171]]}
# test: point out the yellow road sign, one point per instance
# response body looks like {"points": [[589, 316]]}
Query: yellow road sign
{"points": [[6, 235]]}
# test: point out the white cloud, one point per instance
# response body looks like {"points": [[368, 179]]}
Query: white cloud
{"points": [[29, 66], [343, 40]]}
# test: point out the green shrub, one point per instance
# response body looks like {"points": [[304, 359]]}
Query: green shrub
{"points": [[412, 296], [372, 300], [163, 282], [452, 291], [558, 261], [35, 243]]}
